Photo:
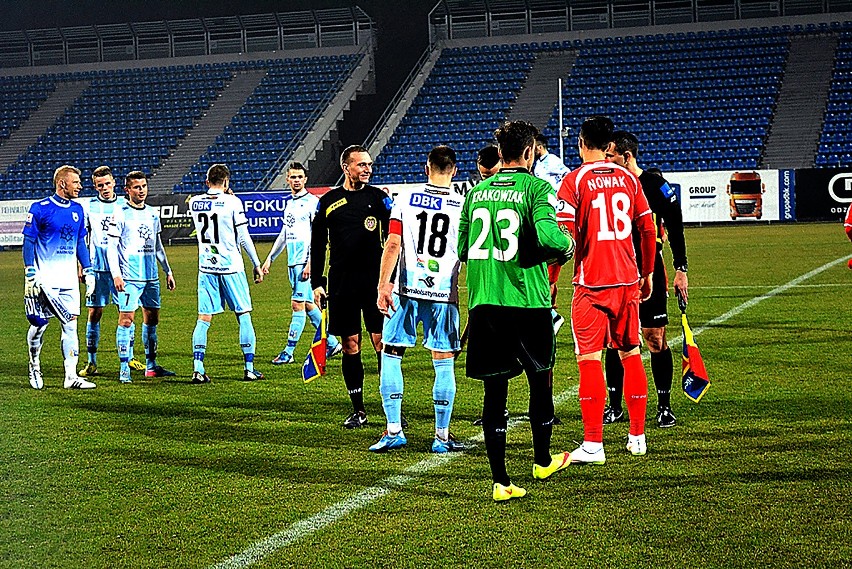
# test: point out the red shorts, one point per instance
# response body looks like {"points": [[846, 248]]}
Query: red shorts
{"points": [[605, 318]]}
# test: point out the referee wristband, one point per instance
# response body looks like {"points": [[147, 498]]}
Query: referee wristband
{"points": [[681, 268]]}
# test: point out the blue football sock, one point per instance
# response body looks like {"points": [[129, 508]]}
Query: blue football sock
{"points": [[199, 345], [93, 339], [122, 342], [132, 336], [315, 316], [297, 324], [444, 393], [149, 339], [247, 339], [391, 388]]}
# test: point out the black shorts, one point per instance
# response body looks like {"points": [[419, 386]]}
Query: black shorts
{"points": [[504, 341], [653, 313], [348, 299]]}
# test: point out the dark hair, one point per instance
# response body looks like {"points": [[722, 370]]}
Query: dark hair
{"points": [[596, 132], [442, 158], [513, 138], [297, 166], [101, 171], [541, 140], [488, 157], [349, 150], [134, 175], [217, 174], [626, 142]]}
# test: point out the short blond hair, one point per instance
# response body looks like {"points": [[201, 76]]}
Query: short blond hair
{"points": [[63, 171]]}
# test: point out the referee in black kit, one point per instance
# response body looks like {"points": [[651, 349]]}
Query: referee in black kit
{"points": [[352, 220]]}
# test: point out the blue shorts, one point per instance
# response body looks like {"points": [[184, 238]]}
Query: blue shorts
{"points": [[104, 291], [302, 291], [217, 291], [440, 324], [139, 293]]}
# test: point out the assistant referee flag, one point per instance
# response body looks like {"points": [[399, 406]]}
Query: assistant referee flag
{"points": [[695, 380], [314, 365]]}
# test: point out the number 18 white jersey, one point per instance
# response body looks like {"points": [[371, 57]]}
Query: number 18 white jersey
{"points": [[216, 216], [428, 222]]}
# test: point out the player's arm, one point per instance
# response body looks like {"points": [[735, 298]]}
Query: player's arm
{"points": [[464, 228], [32, 285], [552, 241], [277, 249], [114, 262], [160, 252], [87, 275], [319, 243], [669, 209], [247, 244], [390, 256]]}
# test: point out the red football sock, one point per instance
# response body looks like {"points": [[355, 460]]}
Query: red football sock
{"points": [[592, 395], [635, 392]]}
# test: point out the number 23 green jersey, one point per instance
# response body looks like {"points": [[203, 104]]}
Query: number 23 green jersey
{"points": [[507, 223]]}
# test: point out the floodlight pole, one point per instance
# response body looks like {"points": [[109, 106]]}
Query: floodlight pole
{"points": [[561, 141]]}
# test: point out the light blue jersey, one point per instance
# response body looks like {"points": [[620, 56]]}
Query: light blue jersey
{"points": [[299, 213], [136, 231], [57, 226], [98, 216]]}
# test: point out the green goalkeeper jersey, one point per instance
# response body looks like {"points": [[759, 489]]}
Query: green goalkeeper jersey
{"points": [[507, 232]]}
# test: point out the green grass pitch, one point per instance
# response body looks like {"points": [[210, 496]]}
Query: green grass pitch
{"points": [[163, 473]]}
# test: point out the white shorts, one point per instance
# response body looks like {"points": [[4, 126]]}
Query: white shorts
{"points": [[217, 291], [440, 324], [68, 299]]}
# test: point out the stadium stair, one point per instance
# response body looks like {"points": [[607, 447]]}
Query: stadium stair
{"points": [[206, 129], [39, 120], [794, 135], [535, 100]]}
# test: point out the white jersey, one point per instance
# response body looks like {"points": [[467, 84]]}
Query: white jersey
{"points": [[137, 231], [429, 262], [549, 167], [217, 216], [98, 215], [299, 213]]}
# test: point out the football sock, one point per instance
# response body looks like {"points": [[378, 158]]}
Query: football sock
{"points": [[353, 375], [93, 338], [199, 345], [592, 395], [541, 414], [662, 368], [132, 340], [635, 392], [297, 324], [149, 340], [614, 379], [315, 316], [247, 339], [494, 427], [443, 394], [391, 388], [35, 337], [122, 342], [70, 347]]}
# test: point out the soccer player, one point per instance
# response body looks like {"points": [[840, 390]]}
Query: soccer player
{"points": [[507, 233], [99, 210], [653, 315], [54, 242], [421, 251], [295, 235], [135, 248], [487, 161], [352, 222], [599, 203], [222, 228]]}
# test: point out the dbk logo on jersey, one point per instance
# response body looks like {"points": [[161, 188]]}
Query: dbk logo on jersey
{"points": [[202, 205], [426, 202]]}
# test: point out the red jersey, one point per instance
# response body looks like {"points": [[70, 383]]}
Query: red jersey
{"points": [[600, 202], [847, 224]]}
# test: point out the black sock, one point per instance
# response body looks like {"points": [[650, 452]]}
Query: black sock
{"points": [[541, 414], [662, 368], [353, 375], [379, 362], [494, 427], [614, 379]]}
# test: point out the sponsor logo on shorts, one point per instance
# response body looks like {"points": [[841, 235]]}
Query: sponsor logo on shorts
{"points": [[371, 223]]}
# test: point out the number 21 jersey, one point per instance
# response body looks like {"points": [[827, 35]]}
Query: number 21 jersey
{"points": [[216, 216]]}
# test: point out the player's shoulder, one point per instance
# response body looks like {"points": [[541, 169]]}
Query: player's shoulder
{"points": [[332, 195]]}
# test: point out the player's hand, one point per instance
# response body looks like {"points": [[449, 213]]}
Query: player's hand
{"points": [[384, 302], [646, 285], [265, 267], [258, 275], [89, 279], [32, 285], [306, 274], [681, 284], [119, 284], [320, 296], [170, 281]]}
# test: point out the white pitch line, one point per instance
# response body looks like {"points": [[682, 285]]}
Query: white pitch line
{"points": [[337, 511]]}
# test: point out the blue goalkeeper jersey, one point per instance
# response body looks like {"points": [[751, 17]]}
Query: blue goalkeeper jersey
{"points": [[57, 226]]}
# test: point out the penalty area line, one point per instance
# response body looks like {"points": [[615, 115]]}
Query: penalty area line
{"points": [[337, 511]]}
